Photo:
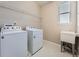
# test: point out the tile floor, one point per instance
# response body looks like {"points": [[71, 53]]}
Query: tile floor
{"points": [[51, 49]]}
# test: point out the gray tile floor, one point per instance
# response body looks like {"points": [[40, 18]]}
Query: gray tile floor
{"points": [[51, 49]]}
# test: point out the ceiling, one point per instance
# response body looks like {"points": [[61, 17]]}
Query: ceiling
{"points": [[43, 2]]}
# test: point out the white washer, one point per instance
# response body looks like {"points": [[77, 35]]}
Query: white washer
{"points": [[35, 39], [13, 43]]}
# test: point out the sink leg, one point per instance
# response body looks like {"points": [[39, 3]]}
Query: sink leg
{"points": [[62, 46], [73, 49]]}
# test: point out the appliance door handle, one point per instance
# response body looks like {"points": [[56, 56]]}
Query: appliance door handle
{"points": [[2, 37], [34, 37]]}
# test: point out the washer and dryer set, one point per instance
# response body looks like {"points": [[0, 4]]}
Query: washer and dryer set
{"points": [[16, 42]]}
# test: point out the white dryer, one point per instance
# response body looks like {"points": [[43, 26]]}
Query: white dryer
{"points": [[13, 42], [35, 39]]}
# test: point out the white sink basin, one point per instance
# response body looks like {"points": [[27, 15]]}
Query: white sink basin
{"points": [[77, 34]]}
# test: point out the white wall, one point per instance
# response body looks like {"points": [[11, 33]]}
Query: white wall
{"points": [[24, 13]]}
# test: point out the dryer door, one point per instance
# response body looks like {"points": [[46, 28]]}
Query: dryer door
{"points": [[37, 41]]}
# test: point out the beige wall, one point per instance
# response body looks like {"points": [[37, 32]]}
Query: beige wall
{"points": [[23, 13], [28, 14], [50, 21]]}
